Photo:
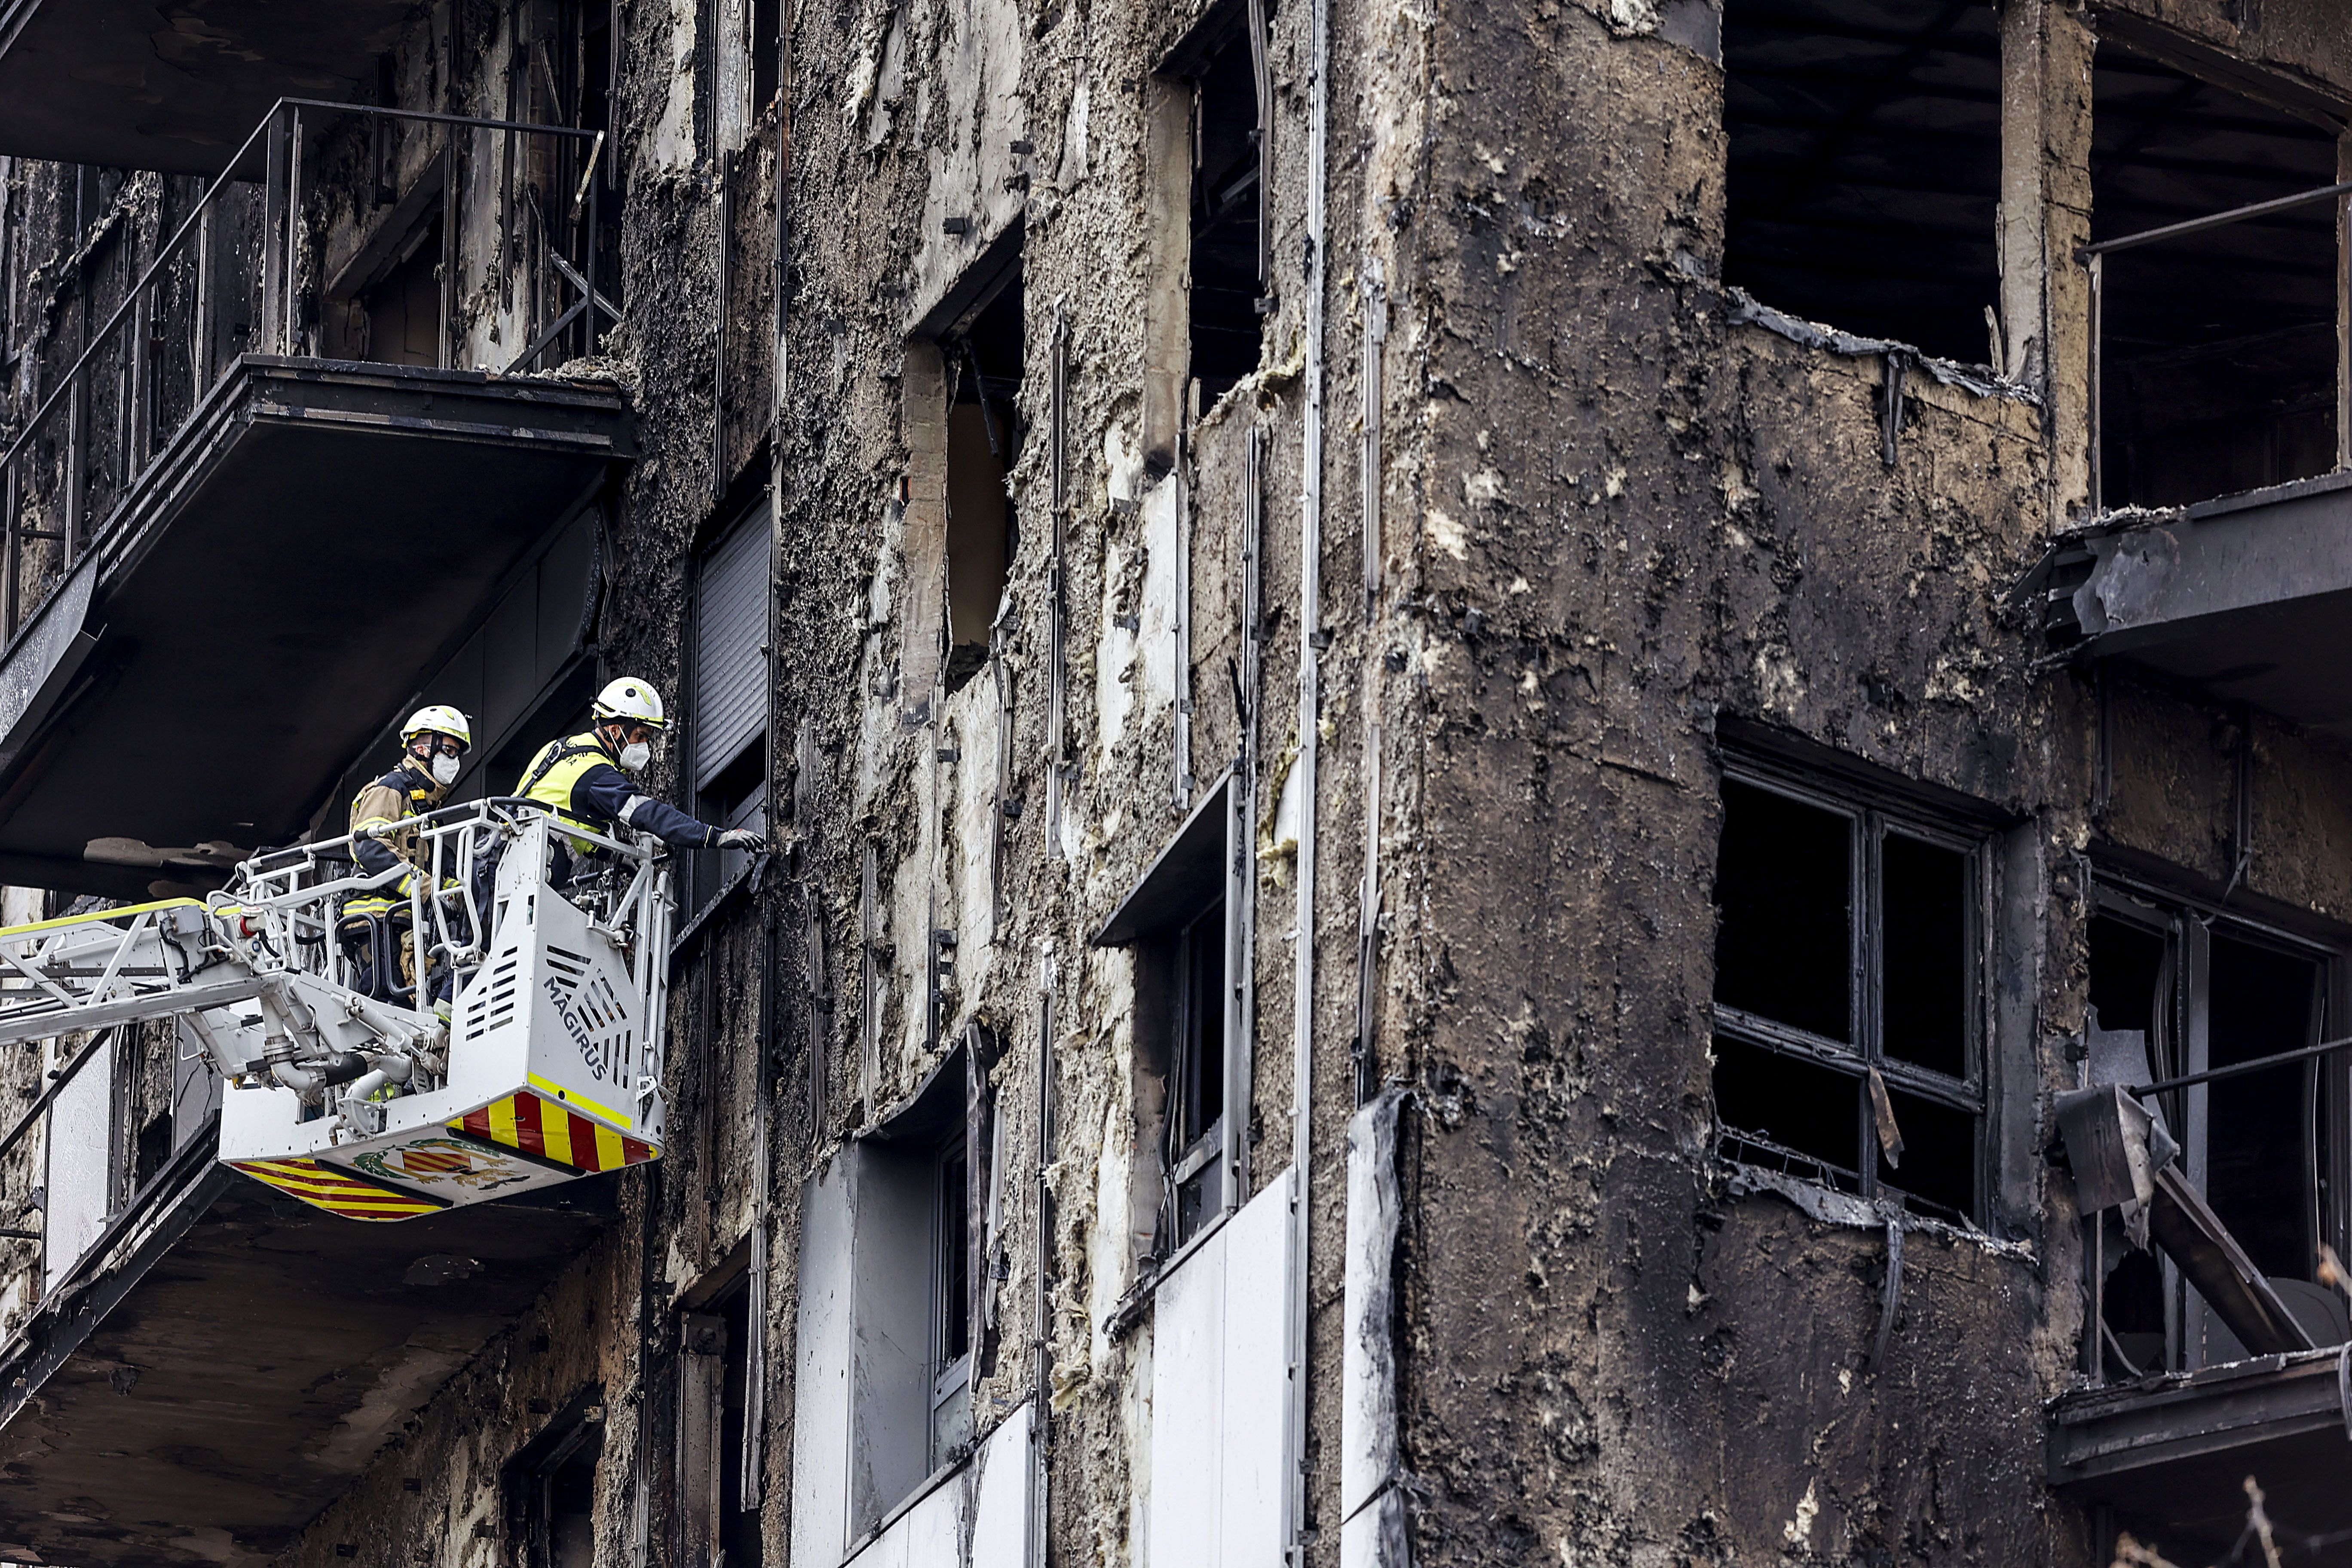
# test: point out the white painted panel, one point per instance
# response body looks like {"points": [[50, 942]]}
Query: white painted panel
{"points": [[1163, 539], [1187, 1410], [999, 1516], [821, 1371], [1256, 1374], [81, 1120], [930, 1535]]}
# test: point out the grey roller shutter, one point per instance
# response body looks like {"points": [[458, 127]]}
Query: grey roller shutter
{"points": [[731, 623]]}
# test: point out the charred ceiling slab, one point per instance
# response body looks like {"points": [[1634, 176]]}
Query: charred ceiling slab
{"points": [[2171, 1456], [175, 84], [228, 1362], [317, 538], [2249, 597]]}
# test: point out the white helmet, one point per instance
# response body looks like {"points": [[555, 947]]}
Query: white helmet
{"points": [[634, 701], [441, 719]]}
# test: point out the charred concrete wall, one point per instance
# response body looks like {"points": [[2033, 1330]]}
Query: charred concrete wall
{"points": [[1523, 521]]}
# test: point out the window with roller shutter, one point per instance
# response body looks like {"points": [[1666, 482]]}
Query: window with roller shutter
{"points": [[727, 712]]}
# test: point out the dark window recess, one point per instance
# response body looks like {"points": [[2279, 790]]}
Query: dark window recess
{"points": [[2218, 370], [1825, 904], [1186, 1084], [153, 1148], [984, 363], [551, 1488], [951, 1402], [1789, 1113], [2258, 1127], [1228, 209], [1925, 892], [739, 1523], [767, 52], [1783, 943], [1862, 165], [1196, 1098], [2262, 1151], [403, 310]]}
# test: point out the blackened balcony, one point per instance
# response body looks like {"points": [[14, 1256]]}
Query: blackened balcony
{"points": [[330, 449], [2168, 1459], [289, 477], [2216, 549]]}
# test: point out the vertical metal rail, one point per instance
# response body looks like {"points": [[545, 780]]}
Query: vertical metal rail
{"points": [[1367, 913], [1041, 1329], [724, 286], [290, 273], [1056, 584], [445, 351], [1242, 827], [2096, 413], [1311, 642]]}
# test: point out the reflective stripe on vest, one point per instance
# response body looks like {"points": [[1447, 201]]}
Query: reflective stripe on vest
{"points": [[555, 771]]}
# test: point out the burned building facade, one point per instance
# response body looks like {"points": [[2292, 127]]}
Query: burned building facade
{"points": [[1484, 732]]}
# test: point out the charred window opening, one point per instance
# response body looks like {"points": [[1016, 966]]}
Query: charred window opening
{"points": [[951, 1396], [1191, 1088], [2217, 350], [551, 1487], [718, 1454], [1862, 165], [1223, 65], [401, 312], [1847, 995], [2176, 991], [985, 357]]}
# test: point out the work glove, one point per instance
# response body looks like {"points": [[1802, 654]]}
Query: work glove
{"points": [[743, 838]]}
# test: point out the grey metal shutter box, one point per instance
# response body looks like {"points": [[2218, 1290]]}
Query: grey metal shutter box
{"points": [[731, 623]]}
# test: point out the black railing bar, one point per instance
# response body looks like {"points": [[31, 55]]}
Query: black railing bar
{"points": [[163, 258], [468, 121], [2212, 220], [171, 247], [2259, 1064]]}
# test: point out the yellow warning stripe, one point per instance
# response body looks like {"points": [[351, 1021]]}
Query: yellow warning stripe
{"points": [[567, 1097], [337, 1193], [101, 915]]}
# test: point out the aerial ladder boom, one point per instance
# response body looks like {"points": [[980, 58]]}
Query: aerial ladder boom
{"points": [[309, 988]]}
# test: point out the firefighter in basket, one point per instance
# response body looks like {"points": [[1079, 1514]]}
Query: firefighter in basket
{"points": [[375, 925], [587, 780]]}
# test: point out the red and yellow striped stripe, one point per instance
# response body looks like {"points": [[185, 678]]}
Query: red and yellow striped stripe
{"points": [[546, 1131], [323, 1187]]}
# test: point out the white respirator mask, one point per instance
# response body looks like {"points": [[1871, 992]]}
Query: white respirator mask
{"points": [[445, 771], [634, 756]]}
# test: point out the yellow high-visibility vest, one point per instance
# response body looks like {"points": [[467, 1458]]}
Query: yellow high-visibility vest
{"points": [[558, 767]]}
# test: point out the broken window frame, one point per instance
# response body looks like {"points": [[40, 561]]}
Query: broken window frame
{"points": [[1872, 814], [2189, 924], [1184, 908], [531, 1475], [949, 1403], [1226, 23], [2155, 43], [718, 1451]]}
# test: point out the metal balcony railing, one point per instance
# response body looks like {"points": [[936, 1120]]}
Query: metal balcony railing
{"points": [[2095, 258], [249, 271]]}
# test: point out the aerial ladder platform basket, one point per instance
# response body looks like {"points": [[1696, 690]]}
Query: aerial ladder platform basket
{"points": [[311, 987]]}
